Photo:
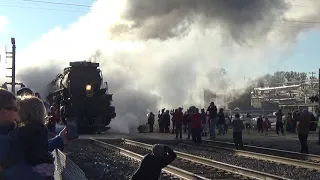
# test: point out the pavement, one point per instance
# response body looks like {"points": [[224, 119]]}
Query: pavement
{"points": [[272, 135], [287, 142]]}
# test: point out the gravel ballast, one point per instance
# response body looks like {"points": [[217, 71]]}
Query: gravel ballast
{"points": [[291, 172], [101, 164], [287, 171]]}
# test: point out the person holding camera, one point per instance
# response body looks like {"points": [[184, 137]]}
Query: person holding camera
{"points": [[152, 164]]}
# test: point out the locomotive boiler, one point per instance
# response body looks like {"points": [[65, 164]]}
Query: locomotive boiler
{"points": [[78, 93]]}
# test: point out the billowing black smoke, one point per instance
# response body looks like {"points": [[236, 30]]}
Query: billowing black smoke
{"points": [[241, 19]]}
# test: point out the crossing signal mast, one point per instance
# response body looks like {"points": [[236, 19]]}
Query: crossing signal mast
{"points": [[12, 55]]}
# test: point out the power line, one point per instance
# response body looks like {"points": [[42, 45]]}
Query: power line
{"points": [[57, 3], [38, 8]]}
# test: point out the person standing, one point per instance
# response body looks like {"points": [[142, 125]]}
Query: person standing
{"points": [[260, 124], [185, 121], [178, 118], [226, 125], [161, 120], [196, 123], [221, 121], [266, 125], [213, 111], [238, 127], [303, 130], [204, 122], [151, 120], [172, 112], [166, 121], [279, 123], [248, 121]]}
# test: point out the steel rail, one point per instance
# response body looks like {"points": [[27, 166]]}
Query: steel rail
{"points": [[180, 173], [215, 164], [267, 157], [276, 152]]}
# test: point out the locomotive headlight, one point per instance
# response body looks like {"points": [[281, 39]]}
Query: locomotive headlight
{"points": [[88, 87]]}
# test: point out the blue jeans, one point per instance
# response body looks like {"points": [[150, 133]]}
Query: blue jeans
{"points": [[221, 129]]}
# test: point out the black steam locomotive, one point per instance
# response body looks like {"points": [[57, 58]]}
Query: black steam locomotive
{"points": [[78, 93]]}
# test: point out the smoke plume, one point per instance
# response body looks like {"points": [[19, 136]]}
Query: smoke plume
{"points": [[242, 20], [164, 53]]}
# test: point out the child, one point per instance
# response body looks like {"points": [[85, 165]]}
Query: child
{"points": [[33, 136], [238, 126], [266, 125]]}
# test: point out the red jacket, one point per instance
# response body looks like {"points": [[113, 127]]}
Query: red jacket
{"points": [[54, 118], [178, 117], [196, 121]]}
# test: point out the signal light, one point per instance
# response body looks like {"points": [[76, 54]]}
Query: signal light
{"points": [[88, 87]]}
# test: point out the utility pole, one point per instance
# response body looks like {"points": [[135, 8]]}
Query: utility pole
{"points": [[12, 55]]}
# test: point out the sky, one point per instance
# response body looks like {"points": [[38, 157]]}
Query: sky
{"points": [[161, 53], [29, 21]]}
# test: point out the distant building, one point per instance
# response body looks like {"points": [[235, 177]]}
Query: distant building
{"points": [[288, 96]]}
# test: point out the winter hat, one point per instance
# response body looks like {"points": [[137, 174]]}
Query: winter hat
{"points": [[158, 149]]}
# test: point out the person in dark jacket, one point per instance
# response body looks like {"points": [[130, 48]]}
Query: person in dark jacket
{"points": [[213, 111], [279, 123], [166, 119], [152, 164], [221, 121], [238, 127], [161, 120], [151, 121], [196, 124], [303, 130], [260, 124], [178, 118], [12, 162], [204, 122]]}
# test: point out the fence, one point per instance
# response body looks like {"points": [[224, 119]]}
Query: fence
{"points": [[65, 168]]}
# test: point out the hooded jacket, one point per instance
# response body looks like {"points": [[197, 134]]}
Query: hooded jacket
{"points": [[12, 159]]}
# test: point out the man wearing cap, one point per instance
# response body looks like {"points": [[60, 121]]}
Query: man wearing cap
{"points": [[12, 165]]}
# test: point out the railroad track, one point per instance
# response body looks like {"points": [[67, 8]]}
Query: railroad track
{"points": [[197, 167], [176, 172], [309, 161]]}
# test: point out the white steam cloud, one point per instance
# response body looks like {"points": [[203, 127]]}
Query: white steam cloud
{"points": [[164, 53]]}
